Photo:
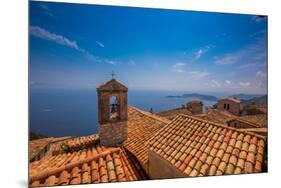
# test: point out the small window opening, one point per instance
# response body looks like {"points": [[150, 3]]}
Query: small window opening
{"points": [[114, 108]]}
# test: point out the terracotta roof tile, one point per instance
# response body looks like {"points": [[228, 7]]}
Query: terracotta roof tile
{"points": [[107, 165], [217, 116], [209, 148], [141, 127]]}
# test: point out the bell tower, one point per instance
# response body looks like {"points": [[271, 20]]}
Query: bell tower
{"points": [[112, 112]]}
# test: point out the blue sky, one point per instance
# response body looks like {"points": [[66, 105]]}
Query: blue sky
{"points": [[77, 46]]}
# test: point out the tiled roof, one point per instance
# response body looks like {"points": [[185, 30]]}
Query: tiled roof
{"points": [[171, 114], [141, 127], [217, 116], [112, 85], [199, 148], [76, 143], [36, 146], [259, 120], [261, 131], [93, 165], [198, 102]]}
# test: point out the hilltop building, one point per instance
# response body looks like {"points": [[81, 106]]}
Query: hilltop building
{"points": [[133, 144], [195, 107], [230, 104], [172, 113]]}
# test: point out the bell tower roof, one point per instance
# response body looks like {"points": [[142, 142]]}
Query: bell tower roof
{"points": [[112, 85]]}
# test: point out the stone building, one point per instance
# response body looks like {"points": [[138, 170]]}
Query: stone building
{"points": [[112, 113], [249, 121], [230, 104], [195, 107]]}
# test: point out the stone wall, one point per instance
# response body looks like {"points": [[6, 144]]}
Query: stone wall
{"points": [[234, 107], [113, 134], [239, 124], [159, 168], [195, 107]]}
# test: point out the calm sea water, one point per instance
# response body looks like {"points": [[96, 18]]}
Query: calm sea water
{"points": [[74, 112]]}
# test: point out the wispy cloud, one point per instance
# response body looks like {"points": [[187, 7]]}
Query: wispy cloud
{"points": [[259, 18], [47, 11], [198, 54], [100, 44], [258, 33], [227, 59], [262, 79], [247, 65], [215, 83], [198, 74], [179, 67], [254, 54], [245, 84], [62, 40], [228, 82], [59, 39], [202, 51]]}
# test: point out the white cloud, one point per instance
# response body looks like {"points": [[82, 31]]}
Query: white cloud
{"points": [[215, 83], [244, 84], [44, 34], [45, 7], [201, 51], [198, 74], [248, 65], [254, 54], [100, 44], [228, 82], [262, 79], [62, 40], [198, 54], [179, 67], [228, 59], [261, 74], [47, 10], [110, 62], [259, 18]]}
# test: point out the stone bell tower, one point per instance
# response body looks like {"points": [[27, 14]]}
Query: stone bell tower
{"points": [[112, 112]]}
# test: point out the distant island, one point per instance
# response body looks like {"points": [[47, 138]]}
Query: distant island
{"points": [[256, 100], [242, 96], [195, 95], [251, 98]]}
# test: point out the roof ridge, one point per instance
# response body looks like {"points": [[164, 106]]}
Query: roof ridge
{"points": [[49, 172], [109, 81], [218, 125], [154, 116], [245, 121]]}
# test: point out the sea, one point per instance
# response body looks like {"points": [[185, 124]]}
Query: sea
{"points": [[73, 112]]}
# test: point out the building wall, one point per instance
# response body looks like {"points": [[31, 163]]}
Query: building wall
{"points": [[159, 168], [234, 107], [113, 134], [195, 108], [239, 125]]}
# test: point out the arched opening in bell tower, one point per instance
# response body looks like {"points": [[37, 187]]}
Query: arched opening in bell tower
{"points": [[114, 108]]}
